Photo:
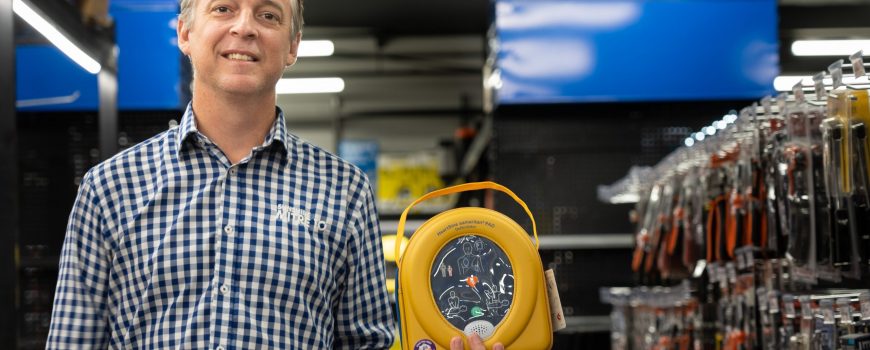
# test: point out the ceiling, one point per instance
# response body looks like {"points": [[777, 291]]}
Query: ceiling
{"points": [[409, 58], [389, 18], [397, 58], [406, 58]]}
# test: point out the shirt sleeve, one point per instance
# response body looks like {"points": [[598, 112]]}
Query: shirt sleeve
{"points": [[363, 317], [79, 318]]}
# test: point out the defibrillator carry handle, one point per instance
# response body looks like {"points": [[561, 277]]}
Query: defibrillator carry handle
{"points": [[471, 186]]}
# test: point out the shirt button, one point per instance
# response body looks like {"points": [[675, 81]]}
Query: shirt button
{"points": [[220, 347], [233, 171], [224, 289], [228, 229]]}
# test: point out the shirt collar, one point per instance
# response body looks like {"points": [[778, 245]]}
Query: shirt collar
{"points": [[187, 129]]}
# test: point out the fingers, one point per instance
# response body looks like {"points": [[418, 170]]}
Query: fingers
{"points": [[475, 342], [456, 343]]}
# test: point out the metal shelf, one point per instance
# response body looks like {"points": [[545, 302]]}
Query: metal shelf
{"points": [[548, 242], [586, 324], [389, 227], [587, 241]]}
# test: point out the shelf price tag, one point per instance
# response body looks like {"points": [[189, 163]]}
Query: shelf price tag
{"points": [[723, 277], [750, 258], [858, 64], [836, 70], [827, 310], [780, 102], [761, 292], [819, 85], [806, 307], [772, 302], [732, 272], [864, 299], [712, 271], [798, 91], [788, 306], [845, 307]]}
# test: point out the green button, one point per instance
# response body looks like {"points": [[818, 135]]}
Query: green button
{"points": [[476, 311]]}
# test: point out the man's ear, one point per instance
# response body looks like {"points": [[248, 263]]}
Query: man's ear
{"points": [[294, 49], [183, 40]]}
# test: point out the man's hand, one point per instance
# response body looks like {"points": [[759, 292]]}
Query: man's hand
{"points": [[474, 341]]}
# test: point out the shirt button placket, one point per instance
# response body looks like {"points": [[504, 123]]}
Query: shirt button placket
{"points": [[224, 289]]}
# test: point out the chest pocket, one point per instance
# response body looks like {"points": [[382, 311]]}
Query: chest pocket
{"points": [[294, 257]]}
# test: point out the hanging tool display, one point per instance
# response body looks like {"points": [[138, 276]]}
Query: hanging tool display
{"points": [[764, 217]]}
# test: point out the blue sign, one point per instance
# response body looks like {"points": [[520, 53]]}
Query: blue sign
{"points": [[148, 65], [551, 51], [47, 80], [363, 154]]}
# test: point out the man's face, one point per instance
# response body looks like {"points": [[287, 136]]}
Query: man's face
{"points": [[239, 46]]}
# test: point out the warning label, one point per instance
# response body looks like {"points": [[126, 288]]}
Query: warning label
{"points": [[464, 225]]}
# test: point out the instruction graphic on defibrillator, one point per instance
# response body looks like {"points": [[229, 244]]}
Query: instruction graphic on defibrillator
{"points": [[479, 291]]}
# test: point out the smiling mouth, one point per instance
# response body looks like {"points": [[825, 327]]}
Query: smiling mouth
{"points": [[240, 57]]}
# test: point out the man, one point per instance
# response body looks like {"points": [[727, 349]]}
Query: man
{"points": [[226, 232]]}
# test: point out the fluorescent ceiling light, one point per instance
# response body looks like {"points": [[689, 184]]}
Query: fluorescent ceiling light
{"points": [[309, 85], [625, 198], [316, 48], [828, 47], [786, 82], [55, 37]]}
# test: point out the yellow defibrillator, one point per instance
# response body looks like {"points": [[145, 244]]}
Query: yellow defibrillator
{"points": [[471, 270]]}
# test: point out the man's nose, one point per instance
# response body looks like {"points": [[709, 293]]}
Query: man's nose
{"points": [[244, 25]]}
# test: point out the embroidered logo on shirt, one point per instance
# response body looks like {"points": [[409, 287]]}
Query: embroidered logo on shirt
{"points": [[287, 213], [298, 216]]}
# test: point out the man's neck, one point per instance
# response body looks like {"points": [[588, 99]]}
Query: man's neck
{"points": [[235, 123]]}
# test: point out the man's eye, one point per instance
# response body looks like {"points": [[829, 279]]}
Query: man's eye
{"points": [[221, 9], [271, 17]]}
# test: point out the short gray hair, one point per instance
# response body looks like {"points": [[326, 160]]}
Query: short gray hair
{"points": [[186, 15]]}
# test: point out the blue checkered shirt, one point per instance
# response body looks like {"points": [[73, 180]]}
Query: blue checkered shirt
{"points": [[170, 246]]}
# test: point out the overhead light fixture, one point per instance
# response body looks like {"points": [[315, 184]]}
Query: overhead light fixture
{"points": [[624, 198], [316, 48], [787, 82], [309, 85], [828, 47], [55, 37]]}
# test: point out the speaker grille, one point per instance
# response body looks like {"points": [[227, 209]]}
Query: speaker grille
{"points": [[483, 328]]}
